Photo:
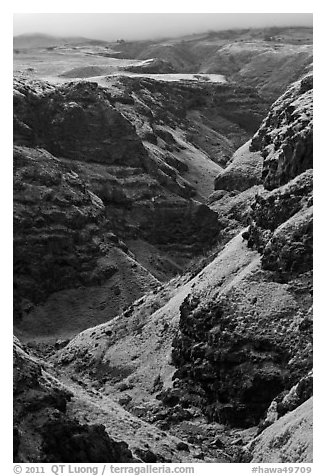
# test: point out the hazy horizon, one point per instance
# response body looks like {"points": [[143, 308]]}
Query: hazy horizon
{"points": [[142, 26]]}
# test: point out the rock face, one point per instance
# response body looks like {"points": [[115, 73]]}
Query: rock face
{"points": [[229, 354], [62, 239], [54, 215], [285, 137], [281, 227], [75, 121]]}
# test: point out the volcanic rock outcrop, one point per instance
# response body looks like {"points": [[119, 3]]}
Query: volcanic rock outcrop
{"points": [[63, 240], [281, 226], [285, 137], [54, 216], [75, 121]]}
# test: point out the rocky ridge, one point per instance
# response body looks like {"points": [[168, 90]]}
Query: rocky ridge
{"points": [[282, 219], [285, 137]]}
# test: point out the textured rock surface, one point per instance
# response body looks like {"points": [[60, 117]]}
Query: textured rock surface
{"points": [[57, 222], [285, 137], [75, 121], [233, 208], [62, 239], [229, 350], [281, 227]]}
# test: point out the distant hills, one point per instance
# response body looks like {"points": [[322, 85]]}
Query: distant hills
{"points": [[281, 34], [41, 40]]}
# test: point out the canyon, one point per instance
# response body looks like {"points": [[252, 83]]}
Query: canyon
{"points": [[163, 197]]}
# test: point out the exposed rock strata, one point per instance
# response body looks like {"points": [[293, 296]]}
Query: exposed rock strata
{"points": [[76, 121], [231, 360], [58, 227], [281, 228]]}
